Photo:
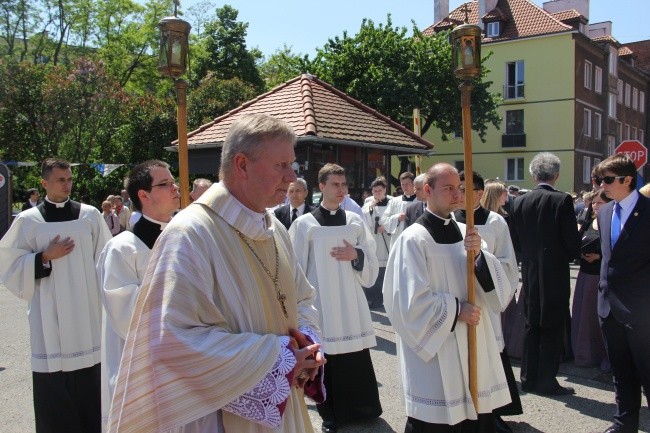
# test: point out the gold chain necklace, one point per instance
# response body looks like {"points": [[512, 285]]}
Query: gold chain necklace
{"points": [[281, 296]]}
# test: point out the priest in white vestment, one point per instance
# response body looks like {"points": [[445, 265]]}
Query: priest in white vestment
{"points": [[494, 231], [123, 262], [425, 295], [394, 217], [372, 211], [48, 259], [337, 252], [224, 335]]}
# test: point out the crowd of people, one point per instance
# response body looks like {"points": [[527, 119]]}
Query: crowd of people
{"points": [[143, 318]]}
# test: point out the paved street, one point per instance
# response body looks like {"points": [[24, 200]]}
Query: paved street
{"points": [[589, 410]]}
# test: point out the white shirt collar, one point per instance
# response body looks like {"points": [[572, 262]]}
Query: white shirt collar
{"points": [[160, 223], [301, 209], [446, 220], [58, 205]]}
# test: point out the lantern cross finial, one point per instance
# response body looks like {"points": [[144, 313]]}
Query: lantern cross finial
{"points": [[177, 3], [465, 9]]}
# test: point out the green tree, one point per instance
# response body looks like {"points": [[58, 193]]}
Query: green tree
{"points": [[282, 66], [214, 97], [223, 53], [392, 72]]}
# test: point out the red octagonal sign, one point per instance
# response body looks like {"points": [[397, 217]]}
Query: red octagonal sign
{"points": [[635, 150]]}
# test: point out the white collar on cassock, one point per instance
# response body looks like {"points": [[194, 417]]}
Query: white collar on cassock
{"points": [[160, 223], [446, 220], [58, 205], [254, 225], [332, 212]]}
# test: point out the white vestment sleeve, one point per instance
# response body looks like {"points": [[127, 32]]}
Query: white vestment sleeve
{"points": [[498, 298], [17, 258], [505, 253], [366, 243], [390, 218], [422, 317]]}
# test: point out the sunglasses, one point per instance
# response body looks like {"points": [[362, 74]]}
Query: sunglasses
{"points": [[607, 179]]}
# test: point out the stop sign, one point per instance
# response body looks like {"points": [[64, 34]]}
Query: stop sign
{"points": [[636, 151]]}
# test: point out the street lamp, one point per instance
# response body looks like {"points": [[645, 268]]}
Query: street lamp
{"points": [[172, 63], [466, 59]]}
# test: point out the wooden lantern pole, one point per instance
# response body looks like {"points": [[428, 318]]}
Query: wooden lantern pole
{"points": [[465, 98], [181, 117]]}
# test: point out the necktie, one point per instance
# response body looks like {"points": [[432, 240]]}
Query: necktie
{"points": [[616, 224], [294, 215]]}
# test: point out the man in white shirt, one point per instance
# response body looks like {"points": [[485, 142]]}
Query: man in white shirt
{"points": [[394, 217], [297, 206]]}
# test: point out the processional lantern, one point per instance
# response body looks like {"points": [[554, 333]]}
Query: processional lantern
{"points": [[466, 64], [172, 63]]}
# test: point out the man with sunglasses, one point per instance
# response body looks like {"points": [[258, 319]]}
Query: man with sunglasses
{"points": [[124, 260], [624, 292], [546, 234]]}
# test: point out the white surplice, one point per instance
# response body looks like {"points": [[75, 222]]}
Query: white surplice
{"points": [[382, 240], [345, 316], [423, 282], [390, 218], [64, 309], [120, 268], [496, 234], [206, 347]]}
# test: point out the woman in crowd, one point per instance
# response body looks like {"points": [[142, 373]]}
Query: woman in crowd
{"points": [[512, 319], [586, 338]]}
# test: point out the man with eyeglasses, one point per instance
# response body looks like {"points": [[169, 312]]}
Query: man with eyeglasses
{"points": [[624, 295], [123, 262], [547, 236], [425, 295], [48, 259]]}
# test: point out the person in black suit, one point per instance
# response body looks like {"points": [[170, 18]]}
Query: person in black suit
{"points": [[33, 199], [297, 206], [546, 233], [416, 208], [624, 291]]}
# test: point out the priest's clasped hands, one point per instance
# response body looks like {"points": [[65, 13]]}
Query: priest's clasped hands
{"points": [[308, 358], [344, 254]]}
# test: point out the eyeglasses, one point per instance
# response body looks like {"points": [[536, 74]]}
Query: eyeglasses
{"points": [[169, 184], [607, 179]]}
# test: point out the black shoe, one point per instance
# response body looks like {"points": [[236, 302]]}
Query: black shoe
{"points": [[500, 425], [329, 427], [558, 391]]}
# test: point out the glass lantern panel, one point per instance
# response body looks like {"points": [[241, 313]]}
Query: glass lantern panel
{"points": [[164, 48], [177, 51]]}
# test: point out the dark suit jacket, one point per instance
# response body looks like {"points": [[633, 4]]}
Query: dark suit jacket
{"points": [[26, 206], [413, 212], [625, 270], [546, 234], [283, 213]]}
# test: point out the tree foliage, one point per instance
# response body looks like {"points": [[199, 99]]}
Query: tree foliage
{"points": [[282, 66], [395, 73]]}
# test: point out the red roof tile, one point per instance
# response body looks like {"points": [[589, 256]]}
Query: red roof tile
{"points": [[567, 15], [315, 108], [625, 51], [641, 50], [525, 19], [607, 38]]}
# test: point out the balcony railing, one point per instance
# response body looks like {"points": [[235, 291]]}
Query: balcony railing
{"points": [[513, 140]]}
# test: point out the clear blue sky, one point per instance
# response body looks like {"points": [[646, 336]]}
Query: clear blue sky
{"points": [[307, 25]]}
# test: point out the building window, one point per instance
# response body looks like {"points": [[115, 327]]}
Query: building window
{"points": [[613, 60], [642, 102], [598, 80], [612, 106], [640, 136], [619, 89], [627, 132], [635, 98], [597, 126], [515, 122], [596, 161], [514, 87], [611, 145], [587, 75], [515, 169], [619, 132], [633, 136], [586, 169], [493, 29], [628, 92], [586, 125], [460, 165]]}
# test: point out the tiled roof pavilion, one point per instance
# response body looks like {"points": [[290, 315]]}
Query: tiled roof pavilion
{"points": [[318, 112]]}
